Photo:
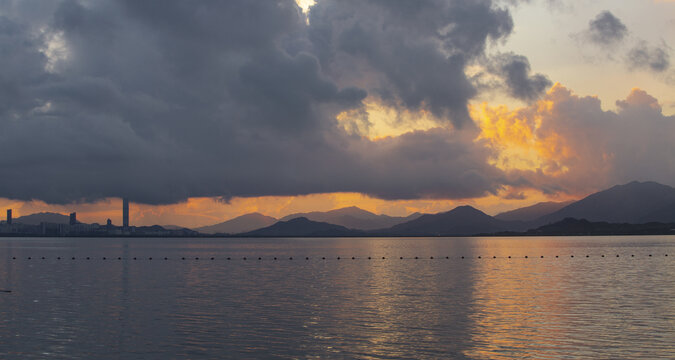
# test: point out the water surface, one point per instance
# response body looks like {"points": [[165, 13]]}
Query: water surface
{"points": [[532, 305]]}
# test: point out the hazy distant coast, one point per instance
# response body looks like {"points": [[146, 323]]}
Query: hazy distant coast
{"points": [[636, 208]]}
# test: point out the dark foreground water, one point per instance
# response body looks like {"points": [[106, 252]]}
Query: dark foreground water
{"points": [[458, 308]]}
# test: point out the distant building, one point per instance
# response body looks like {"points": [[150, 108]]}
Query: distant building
{"points": [[125, 213], [108, 222], [9, 216], [73, 218]]}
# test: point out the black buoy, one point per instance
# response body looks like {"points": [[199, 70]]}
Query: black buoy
{"points": [[290, 258], [275, 258], [259, 258], [183, 258], [494, 257], [586, 255], [73, 258], [384, 257], [196, 258], [416, 257], [603, 255], [212, 258], [5, 291], [542, 256], [431, 257], [617, 255], [58, 258], [166, 258], [462, 257], [401, 258], [509, 256], [244, 257], [447, 257], [119, 258], [44, 257], [338, 258], [650, 255], [149, 258], [526, 256], [556, 256], [571, 255], [306, 258], [13, 257], [666, 255], [104, 258], [368, 257], [632, 255], [29, 258], [323, 258], [88, 258], [479, 256], [353, 258]]}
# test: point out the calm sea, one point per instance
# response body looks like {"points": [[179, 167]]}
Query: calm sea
{"points": [[540, 303]]}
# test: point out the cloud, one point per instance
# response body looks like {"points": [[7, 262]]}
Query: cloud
{"points": [[567, 143], [654, 58], [606, 29], [515, 69], [160, 101]]}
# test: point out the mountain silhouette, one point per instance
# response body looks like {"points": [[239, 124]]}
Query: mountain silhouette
{"points": [[240, 224], [635, 202], [462, 220], [47, 217], [303, 227], [354, 218], [532, 212]]}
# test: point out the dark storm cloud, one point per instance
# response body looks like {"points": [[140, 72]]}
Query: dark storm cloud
{"points": [[164, 100], [515, 70], [653, 58], [606, 29], [413, 52]]}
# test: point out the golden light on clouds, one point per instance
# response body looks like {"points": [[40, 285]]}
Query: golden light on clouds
{"points": [[520, 138], [379, 120]]}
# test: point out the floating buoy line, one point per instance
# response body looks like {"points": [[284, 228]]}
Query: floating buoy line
{"points": [[322, 258]]}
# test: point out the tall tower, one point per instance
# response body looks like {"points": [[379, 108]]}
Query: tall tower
{"points": [[73, 218], [9, 216], [125, 213]]}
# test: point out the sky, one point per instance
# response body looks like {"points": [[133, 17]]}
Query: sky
{"points": [[201, 111]]}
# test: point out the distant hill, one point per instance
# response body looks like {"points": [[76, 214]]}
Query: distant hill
{"points": [[174, 227], [354, 218], [47, 217], [635, 202], [303, 227], [462, 220], [576, 227], [240, 224], [532, 212]]}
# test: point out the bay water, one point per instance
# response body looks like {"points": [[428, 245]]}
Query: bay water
{"points": [[366, 298]]}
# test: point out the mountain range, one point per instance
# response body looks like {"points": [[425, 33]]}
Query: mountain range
{"points": [[634, 203], [47, 217], [354, 218], [305, 228], [631, 203], [240, 224]]}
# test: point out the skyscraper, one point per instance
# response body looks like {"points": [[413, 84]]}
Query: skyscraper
{"points": [[9, 216], [125, 213], [73, 218]]}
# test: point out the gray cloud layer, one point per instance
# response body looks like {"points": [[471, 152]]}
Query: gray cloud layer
{"points": [[643, 56], [606, 29], [163, 100]]}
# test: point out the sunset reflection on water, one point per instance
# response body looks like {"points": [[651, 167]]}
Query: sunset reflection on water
{"points": [[307, 307]]}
